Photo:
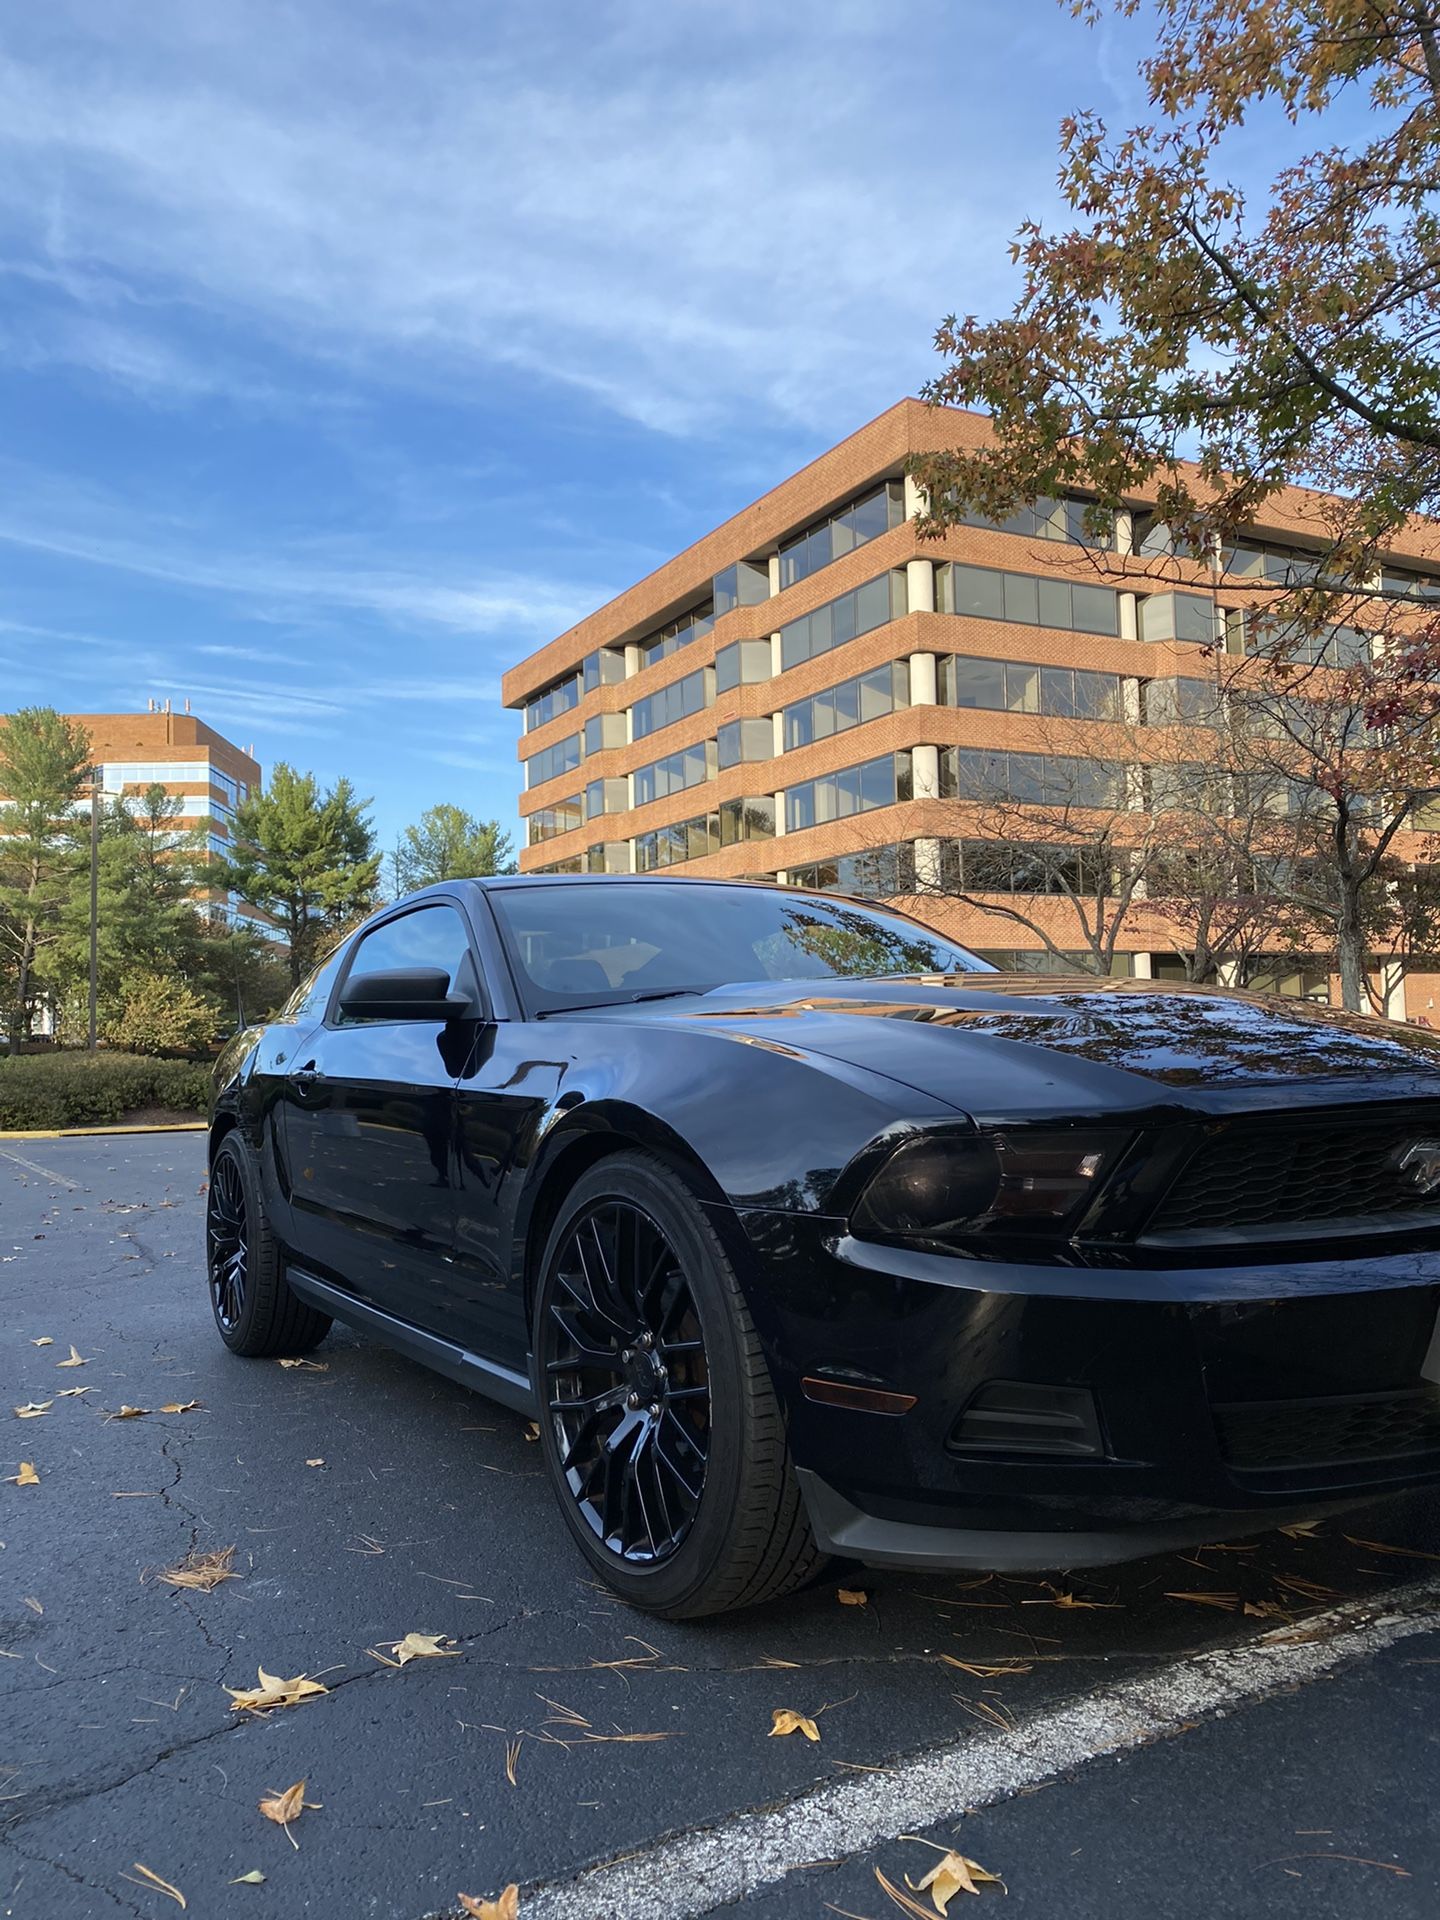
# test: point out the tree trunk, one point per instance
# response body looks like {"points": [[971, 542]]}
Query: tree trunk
{"points": [[1351, 947]]}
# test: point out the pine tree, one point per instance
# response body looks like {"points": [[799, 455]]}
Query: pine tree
{"points": [[44, 774], [305, 858]]}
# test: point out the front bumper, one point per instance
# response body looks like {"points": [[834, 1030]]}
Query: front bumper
{"points": [[1231, 1399]]}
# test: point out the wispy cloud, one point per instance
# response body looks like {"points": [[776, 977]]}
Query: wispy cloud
{"points": [[630, 202]]}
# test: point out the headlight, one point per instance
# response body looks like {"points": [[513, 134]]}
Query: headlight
{"points": [[1021, 1182]]}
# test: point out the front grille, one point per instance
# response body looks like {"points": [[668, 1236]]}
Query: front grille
{"points": [[1270, 1435], [1276, 1171]]}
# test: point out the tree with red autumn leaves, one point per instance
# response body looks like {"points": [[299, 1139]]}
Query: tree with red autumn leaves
{"points": [[1189, 344]]}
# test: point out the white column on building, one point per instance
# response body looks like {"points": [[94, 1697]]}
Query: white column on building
{"points": [[1128, 608], [1392, 986], [917, 501], [927, 866], [779, 799], [774, 575], [1124, 531], [925, 772], [777, 663], [920, 586], [777, 720], [924, 691], [632, 658], [1140, 966], [1227, 973]]}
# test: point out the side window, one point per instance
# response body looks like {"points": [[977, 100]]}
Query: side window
{"points": [[428, 937], [307, 1003]]}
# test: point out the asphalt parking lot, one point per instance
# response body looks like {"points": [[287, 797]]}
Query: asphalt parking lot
{"points": [[369, 1499]]}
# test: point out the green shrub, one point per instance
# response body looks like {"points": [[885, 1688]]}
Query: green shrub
{"points": [[157, 1013], [95, 1089]]}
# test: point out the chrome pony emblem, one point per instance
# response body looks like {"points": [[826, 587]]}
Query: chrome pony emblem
{"points": [[1421, 1160]]}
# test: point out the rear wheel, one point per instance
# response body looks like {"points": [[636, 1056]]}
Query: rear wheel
{"points": [[254, 1309], [661, 1429]]}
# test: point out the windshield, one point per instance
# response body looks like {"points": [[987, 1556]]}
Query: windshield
{"points": [[603, 941]]}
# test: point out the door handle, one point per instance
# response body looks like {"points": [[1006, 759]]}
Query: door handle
{"points": [[307, 1076]]}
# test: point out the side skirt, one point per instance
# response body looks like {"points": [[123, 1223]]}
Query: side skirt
{"points": [[456, 1363]]}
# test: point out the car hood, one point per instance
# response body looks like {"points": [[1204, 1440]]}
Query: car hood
{"points": [[1003, 1044]]}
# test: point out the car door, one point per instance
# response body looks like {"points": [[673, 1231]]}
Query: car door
{"points": [[369, 1120]]}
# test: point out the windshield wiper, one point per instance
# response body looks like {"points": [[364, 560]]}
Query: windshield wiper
{"points": [[627, 1000]]}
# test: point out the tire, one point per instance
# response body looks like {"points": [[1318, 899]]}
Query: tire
{"points": [[624, 1421], [256, 1313]]}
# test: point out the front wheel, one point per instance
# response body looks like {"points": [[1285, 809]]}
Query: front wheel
{"points": [[254, 1309], [661, 1430]]}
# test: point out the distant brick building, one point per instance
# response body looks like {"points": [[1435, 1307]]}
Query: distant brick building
{"points": [[798, 693]]}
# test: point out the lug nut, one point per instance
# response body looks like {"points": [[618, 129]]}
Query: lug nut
{"points": [[628, 1354], [654, 1409], [632, 1400], [647, 1340]]}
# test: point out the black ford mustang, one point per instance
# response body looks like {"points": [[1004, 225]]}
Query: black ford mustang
{"points": [[800, 1231]]}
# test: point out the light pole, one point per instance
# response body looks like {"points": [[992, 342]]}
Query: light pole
{"points": [[95, 788]]}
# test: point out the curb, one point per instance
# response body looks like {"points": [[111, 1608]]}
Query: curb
{"points": [[87, 1133]]}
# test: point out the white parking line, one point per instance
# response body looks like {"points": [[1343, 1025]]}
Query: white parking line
{"points": [[690, 1874], [45, 1173]]}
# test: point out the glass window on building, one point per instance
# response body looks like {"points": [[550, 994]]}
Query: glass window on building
{"points": [[551, 762], [1180, 703], [861, 611], [850, 704], [554, 700], [685, 840], [878, 873], [743, 663], [685, 768], [750, 819], [678, 701], [563, 817], [1063, 519], [861, 521], [1017, 686], [603, 668], [991, 777], [743, 585], [858, 789], [604, 730], [1178, 616], [1024, 599], [681, 632], [745, 740]]}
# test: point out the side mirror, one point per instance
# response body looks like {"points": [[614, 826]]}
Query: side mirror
{"points": [[403, 993]]}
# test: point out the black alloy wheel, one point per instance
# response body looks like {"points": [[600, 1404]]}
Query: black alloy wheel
{"points": [[627, 1383], [227, 1253], [254, 1309], [659, 1424]]}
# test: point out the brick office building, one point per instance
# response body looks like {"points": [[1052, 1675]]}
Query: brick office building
{"points": [[798, 694]]}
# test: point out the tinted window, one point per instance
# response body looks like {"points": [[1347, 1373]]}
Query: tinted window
{"points": [[429, 937], [307, 1002], [584, 945]]}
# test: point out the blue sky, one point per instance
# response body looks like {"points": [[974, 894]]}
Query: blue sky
{"points": [[349, 352]]}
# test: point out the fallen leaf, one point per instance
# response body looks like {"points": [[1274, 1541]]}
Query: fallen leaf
{"points": [[130, 1413], [149, 1879], [26, 1477], [33, 1409], [73, 1393], [852, 1597], [284, 1807], [507, 1907], [1379, 1546], [74, 1361], [1229, 1601], [252, 1879], [308, 1366], [1071, 1600], [417, 1646], [784, 1721], [1300, 1530], [532, 1429], [33, 1604], [315, 1463], [985, 1673], [202, 1572], [180, 1406], [273, 1692], [954, 1874], [43, 1341]]}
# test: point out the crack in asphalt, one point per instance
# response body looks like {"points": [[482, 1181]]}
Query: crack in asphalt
{"points": [[91, 1886]]}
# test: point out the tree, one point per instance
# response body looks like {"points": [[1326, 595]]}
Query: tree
{"points": [[1293, 344], [158, 1013], [306, 859], [44, 773], [449, 844], [150, 869]]}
